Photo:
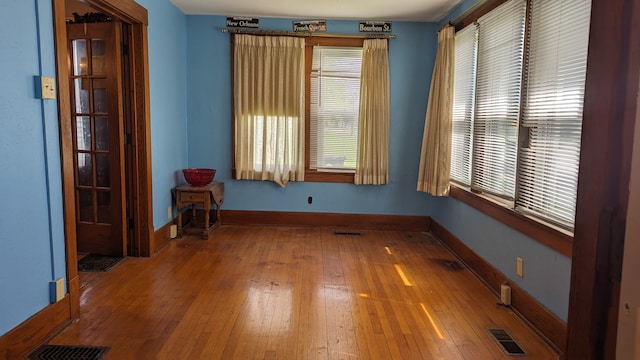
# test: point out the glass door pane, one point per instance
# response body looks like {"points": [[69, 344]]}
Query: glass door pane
{"points": [[91, 114]]}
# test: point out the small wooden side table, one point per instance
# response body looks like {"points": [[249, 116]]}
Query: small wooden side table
{"points": [[187, 195]]}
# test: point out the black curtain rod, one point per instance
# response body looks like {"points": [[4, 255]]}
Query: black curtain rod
{"points": [[306, 34]]}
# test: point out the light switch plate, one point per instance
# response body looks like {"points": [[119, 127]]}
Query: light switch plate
{"points": [[48, 87]]}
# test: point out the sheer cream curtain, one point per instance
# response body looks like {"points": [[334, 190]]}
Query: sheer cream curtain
{"points": [[269, 108], [373, 138], [435, 157]]}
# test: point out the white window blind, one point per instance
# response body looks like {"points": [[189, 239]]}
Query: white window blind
{"points": [[498, 86], [552, 114], [526, 121], [466, 46], [335, 100]]}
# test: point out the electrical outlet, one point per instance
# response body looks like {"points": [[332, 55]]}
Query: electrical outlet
{"points": [[169, 213], [519, 267], [56, 290], [505, 294]]}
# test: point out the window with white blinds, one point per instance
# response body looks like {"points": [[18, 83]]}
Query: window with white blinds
{"points": [[335, 103], [495, 131], [552, 112], [526, 105], [463, 104]]}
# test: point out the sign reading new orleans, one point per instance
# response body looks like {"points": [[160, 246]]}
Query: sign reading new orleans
{"points": [[243, 22], [374, 26], [310, 26]]}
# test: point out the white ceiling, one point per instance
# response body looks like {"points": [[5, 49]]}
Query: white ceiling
{"points": [[398, 10]]}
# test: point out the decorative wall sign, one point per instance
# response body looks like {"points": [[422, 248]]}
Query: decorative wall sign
{"points": [[243, 22], [90, 17], [310, 26], [374, 26]]}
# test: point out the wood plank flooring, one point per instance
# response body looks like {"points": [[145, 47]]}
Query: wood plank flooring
{"points": [[295, 293]]}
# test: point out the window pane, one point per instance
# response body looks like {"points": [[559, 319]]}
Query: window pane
{"points": [[80, 57], [85, 205], [97, 57], [103, 173], [100, 96], [85, 170], [102, 132], [495, 135], [81, 96], [463, 104], [553, 109], [83, 133], [335, 99]]}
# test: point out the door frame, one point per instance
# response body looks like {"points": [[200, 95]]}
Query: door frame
{"points": [[610, 109], [129, 12]]}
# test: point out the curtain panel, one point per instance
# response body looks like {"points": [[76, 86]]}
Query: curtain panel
{"points": [[373, 138], [269, 108], [435, 157]]}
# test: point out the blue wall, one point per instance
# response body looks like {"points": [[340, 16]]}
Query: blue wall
{"points": [[547, 273], [209, 112], [168, 83], [31, 224]]}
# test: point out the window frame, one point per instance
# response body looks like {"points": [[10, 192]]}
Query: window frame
{"points": [[546, 233], [313, 175], [310, 175]]}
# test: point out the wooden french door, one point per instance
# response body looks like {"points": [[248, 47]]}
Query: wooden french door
{"points": [[98, 147]]}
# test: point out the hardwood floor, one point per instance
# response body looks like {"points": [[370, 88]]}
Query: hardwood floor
{"points": [[295, 293]]}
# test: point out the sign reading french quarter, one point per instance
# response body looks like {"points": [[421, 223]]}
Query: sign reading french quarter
{"points": [[243, 22], [374, 26], [310, 26]]}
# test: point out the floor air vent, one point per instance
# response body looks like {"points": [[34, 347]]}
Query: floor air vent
{"points": [[67, 352], [506, 341]]}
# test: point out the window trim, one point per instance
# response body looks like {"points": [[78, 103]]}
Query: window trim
{"points": [[312, 175], [545, 233], [474, 13]]}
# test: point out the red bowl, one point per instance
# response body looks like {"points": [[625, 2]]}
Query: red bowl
{"points": [[199, 177]]}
